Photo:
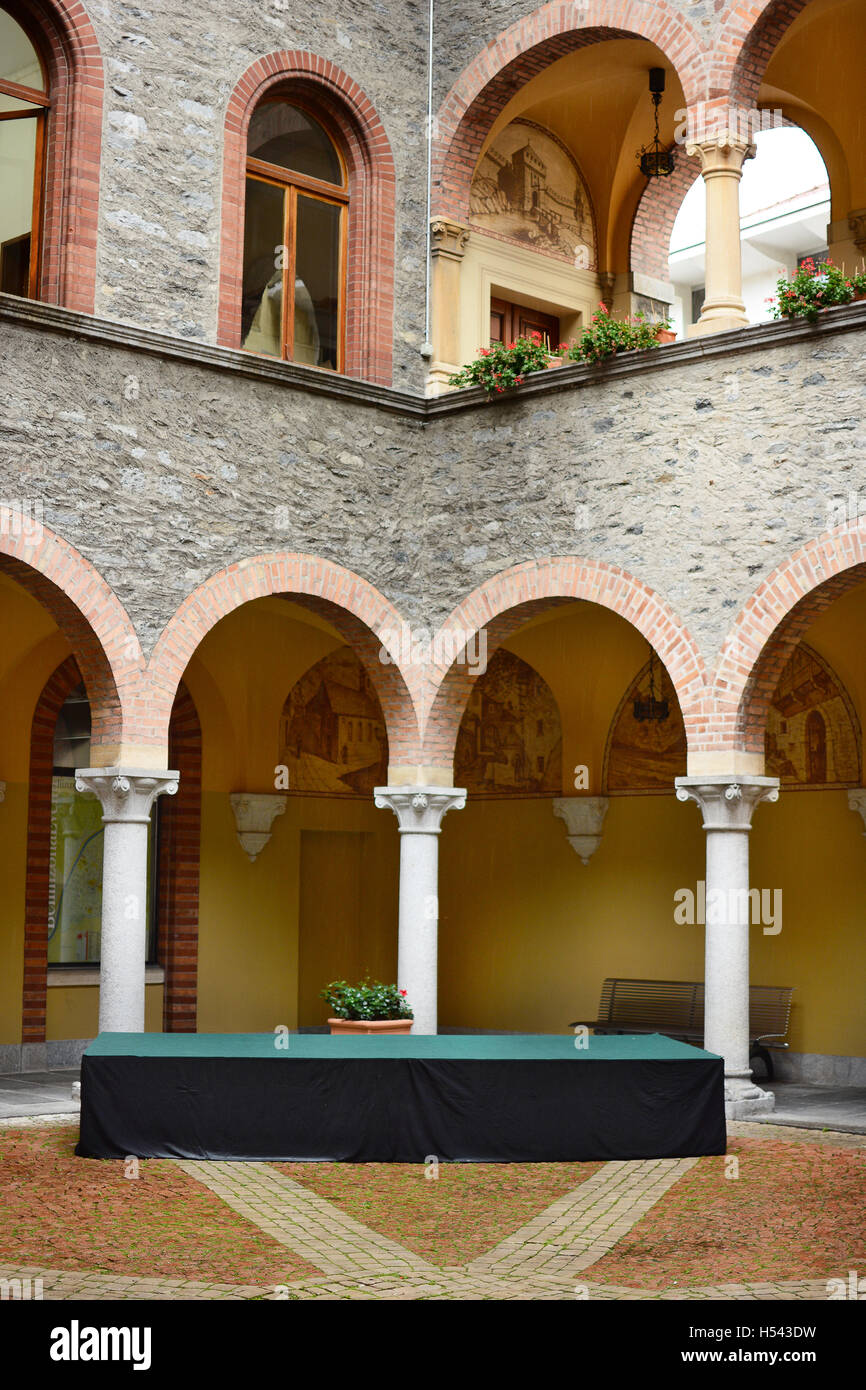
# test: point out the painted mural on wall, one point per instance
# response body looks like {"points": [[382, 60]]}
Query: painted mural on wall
{"points": [[510, 739], [332, 734], [813, 733], [527, 187], [812, 740], [645, 754]]}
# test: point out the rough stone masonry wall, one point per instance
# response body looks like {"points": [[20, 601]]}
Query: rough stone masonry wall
{"points": [[698, 471], [170, 68]]}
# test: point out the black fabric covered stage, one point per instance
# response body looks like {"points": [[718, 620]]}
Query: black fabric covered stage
{"points": [[519, 1098]]}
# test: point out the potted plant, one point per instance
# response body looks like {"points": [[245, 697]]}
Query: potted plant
{"points": [[606, 336], [368, 1007], [502, 367], [812, 289]]}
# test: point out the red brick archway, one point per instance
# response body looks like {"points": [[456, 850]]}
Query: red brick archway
{"points": [[747, 40], [527, 48], [769, 626], [370, 274], [349, 603], [656, 214], [504, 602], [65, 37], [86, 610]]}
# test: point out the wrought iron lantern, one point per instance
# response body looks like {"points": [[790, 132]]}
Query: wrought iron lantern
{"points": [[655, 161], [651, 708]]}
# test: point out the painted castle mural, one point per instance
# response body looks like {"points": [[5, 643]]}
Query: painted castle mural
{"points": [[812, 740], [510, 739], [527, 187], [332, 734]]}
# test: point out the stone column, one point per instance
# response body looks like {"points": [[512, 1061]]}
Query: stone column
{"points": [[419, 812], [722, 160], [126, 795], [726, 804], [448, 241]]}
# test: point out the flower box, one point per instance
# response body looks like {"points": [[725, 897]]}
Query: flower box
{"points": [[370, 1025]]}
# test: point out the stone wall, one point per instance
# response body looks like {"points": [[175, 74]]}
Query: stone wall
{"points": [[698, 467]]}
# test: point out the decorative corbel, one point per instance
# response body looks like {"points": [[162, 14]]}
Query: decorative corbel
{"points": [[255, 813]]}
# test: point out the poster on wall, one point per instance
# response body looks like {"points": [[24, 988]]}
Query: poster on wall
{"points": [[528, 189], [332, 733]]}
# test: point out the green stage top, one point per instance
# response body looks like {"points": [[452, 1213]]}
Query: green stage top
{"points": [[456, 1047]]}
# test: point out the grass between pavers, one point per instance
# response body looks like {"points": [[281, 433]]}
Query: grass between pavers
{"points": [[796, 1211], [449, 1220], [82, 1213]]}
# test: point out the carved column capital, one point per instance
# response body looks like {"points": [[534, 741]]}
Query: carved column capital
{"points": [[727, 802], [255, 813], [125, 794], [584, 818], [448, 239], [420, 810], [857, 802], [724, 153], [857, 227]]}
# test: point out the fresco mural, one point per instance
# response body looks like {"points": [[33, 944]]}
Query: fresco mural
{"points": [[646, 755], [813, 733], [510, 739], [332, 734], [528, 188], [812, 739]]}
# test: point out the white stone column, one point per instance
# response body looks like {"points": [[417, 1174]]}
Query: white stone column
{"points": [[419, 812], [727, 803], [722, 160], [126, 795]]}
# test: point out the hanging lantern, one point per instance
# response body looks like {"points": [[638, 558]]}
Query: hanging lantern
{"points": [[651, 708], [655, 161]]}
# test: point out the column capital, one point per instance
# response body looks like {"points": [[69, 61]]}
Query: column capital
{"points": [[726, 802], [857, 802], [725, 153], [419, 810], [125, 793], [584, 818], [857, 228], [448, 239]]}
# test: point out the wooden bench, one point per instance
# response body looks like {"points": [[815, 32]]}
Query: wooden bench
{"points": [[676, 1008]]}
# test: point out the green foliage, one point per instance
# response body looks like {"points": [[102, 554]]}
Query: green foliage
{"points": [[813, 288], [606, 336], [500, 367], [368, 1000]]}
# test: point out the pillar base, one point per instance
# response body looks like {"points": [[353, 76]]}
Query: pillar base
{"points": [[718, 323], [744, 1100]]}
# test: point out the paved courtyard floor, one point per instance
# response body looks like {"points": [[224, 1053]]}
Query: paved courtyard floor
{"points": [[776, 1219]]}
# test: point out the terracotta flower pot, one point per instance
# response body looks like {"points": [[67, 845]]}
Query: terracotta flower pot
{"points": [[370, 1025], [556, 362], [665, 335]]}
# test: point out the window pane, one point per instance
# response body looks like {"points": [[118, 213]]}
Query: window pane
{"points": [[262, 307], [283, 134], [75, 878], [18, 60], [17, 172], [317, 283]]}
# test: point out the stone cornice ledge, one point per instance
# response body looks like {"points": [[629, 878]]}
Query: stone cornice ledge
{"points": [[774, 334]]}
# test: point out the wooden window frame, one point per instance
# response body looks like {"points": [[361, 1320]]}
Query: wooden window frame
{"points": [[40, 106], [338, 195]]}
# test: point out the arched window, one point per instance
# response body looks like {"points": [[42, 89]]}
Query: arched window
{"points": [[295, 237], [24, 103]]}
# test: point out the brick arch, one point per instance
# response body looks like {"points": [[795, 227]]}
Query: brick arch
{"points": [[525, 49], [372, 185], [358, 611], [768, 628], [89, 614], [507, 600], [656, 214], [67, 42], [747, 39]]}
